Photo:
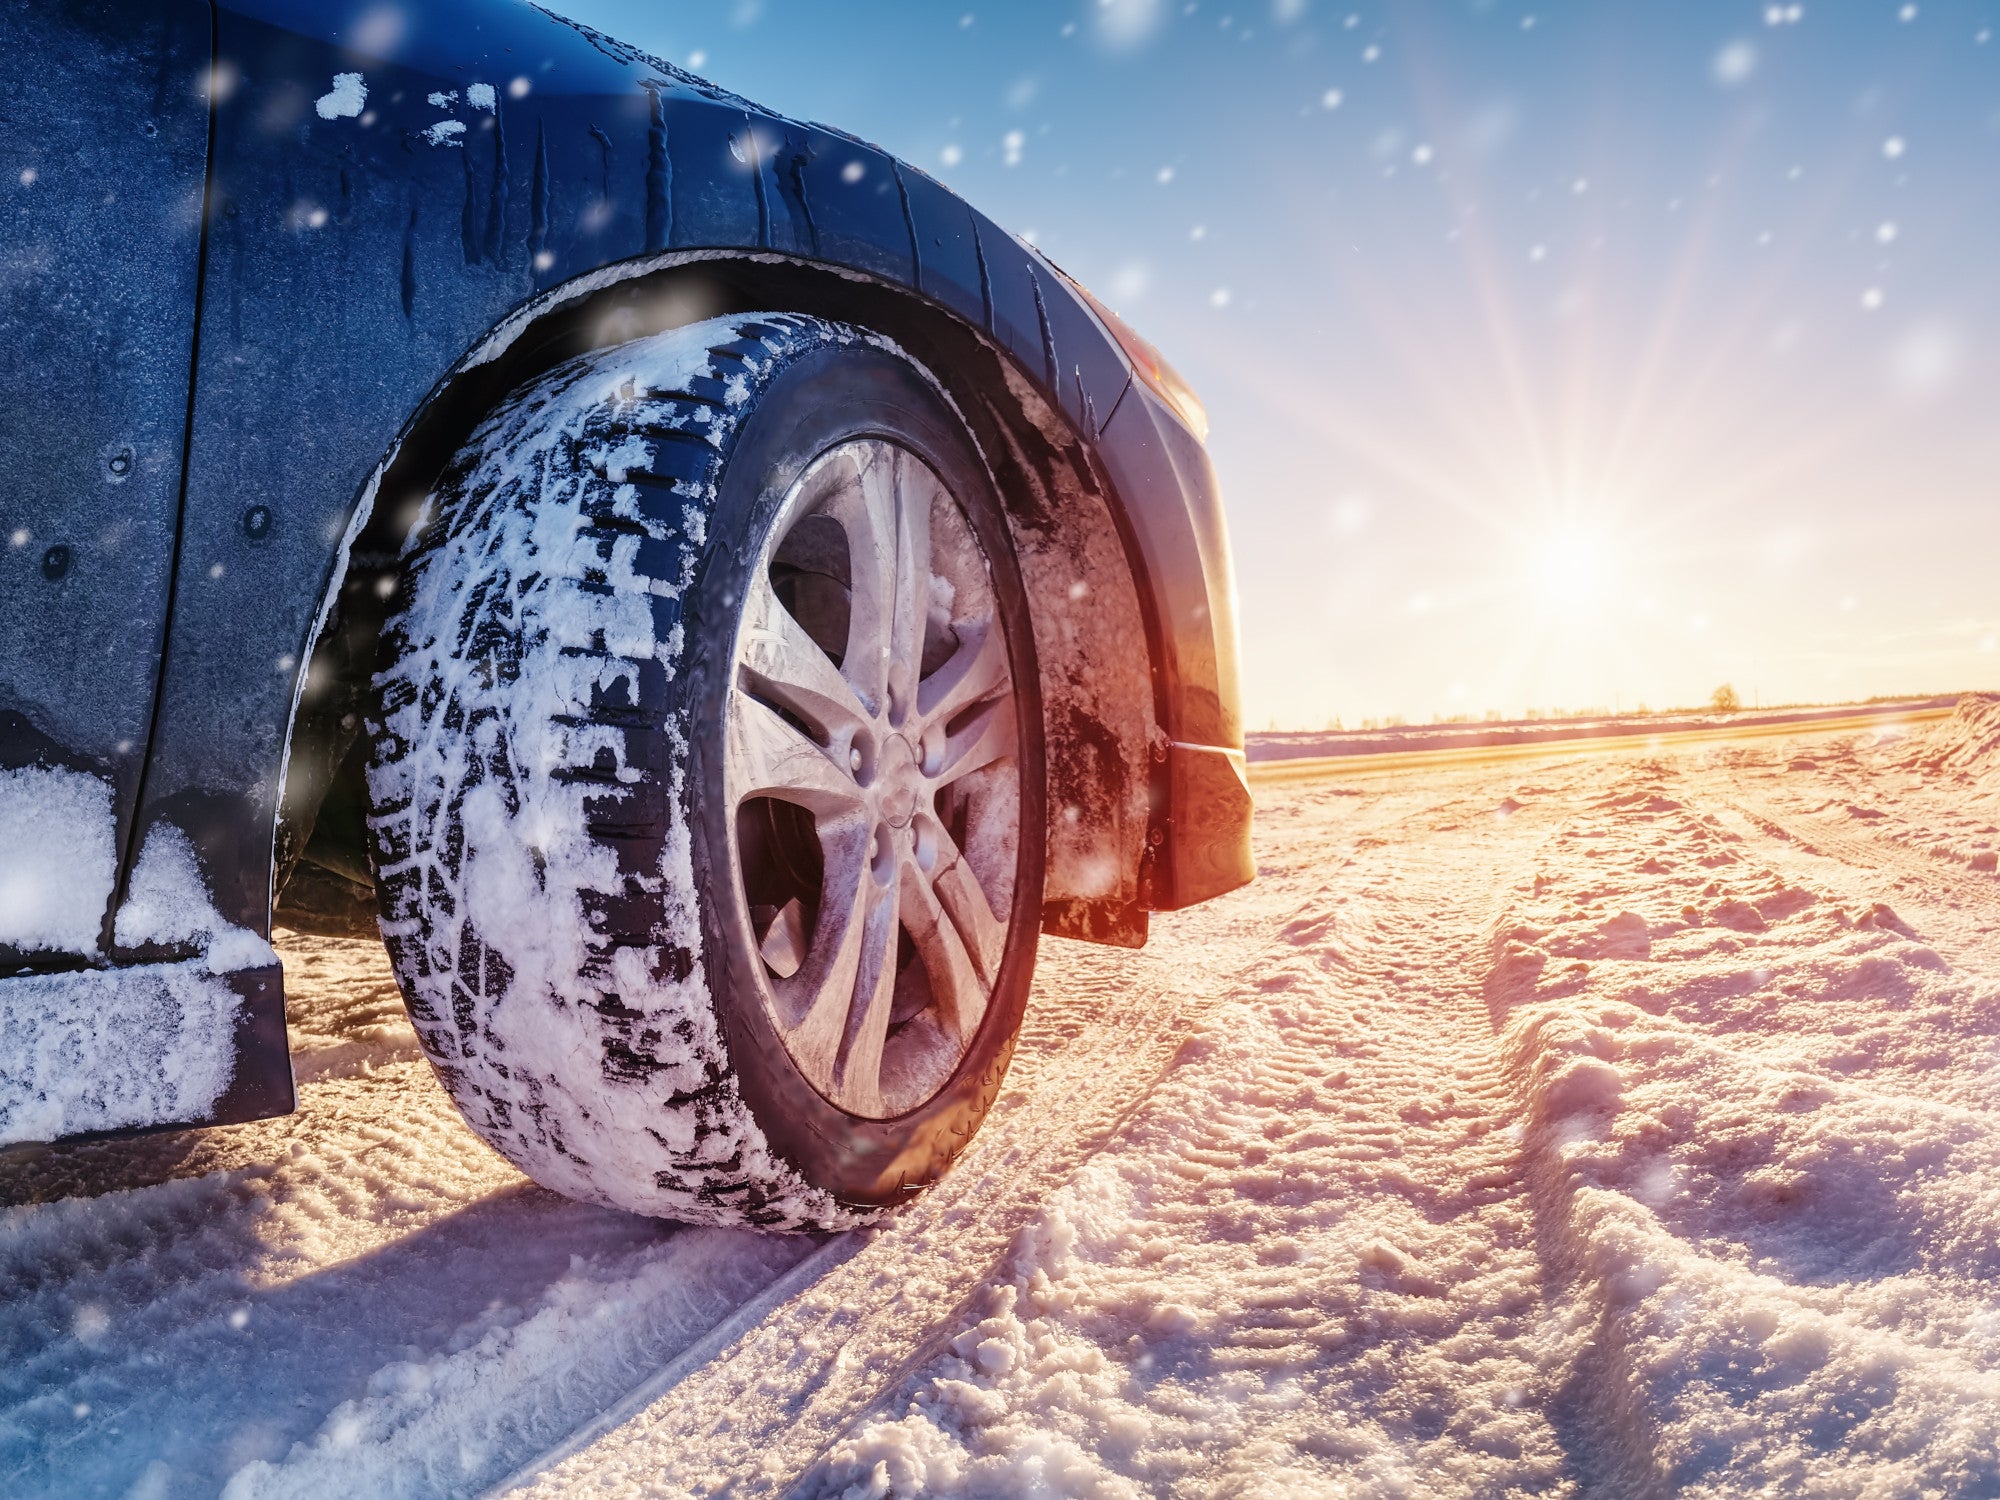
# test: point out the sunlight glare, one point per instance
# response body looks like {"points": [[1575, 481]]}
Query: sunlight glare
{"points": [[1570, 570]]}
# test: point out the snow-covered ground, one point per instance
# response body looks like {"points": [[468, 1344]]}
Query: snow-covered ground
{"points": [[1620, 1124]]}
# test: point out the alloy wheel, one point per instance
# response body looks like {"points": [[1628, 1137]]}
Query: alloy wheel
{"points": [[871, 762]]}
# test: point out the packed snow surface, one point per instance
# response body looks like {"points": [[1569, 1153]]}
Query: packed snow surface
{"points": [[1613, 1125], [58, 859]]}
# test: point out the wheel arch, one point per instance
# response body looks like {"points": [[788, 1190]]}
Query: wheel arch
{"points": [[1091, 600]]}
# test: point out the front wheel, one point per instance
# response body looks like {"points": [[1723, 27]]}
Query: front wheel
{"points": [[707, 788]]}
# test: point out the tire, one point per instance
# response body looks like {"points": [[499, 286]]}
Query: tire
{"points": [[706, 786]]}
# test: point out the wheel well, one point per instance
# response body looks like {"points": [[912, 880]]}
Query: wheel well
{"points": [[1090, 607]]}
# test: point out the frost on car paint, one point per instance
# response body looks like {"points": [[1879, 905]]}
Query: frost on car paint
{"points": [[108, 1050], [344, 100], [169, 903], [481, 96], [58, 860], [445, 133]]}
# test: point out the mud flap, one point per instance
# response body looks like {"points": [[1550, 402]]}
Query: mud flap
{"points": [[1208, 834], [262, 1084]]}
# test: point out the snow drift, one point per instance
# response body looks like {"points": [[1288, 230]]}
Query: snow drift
{"points": [[1967, 745]]}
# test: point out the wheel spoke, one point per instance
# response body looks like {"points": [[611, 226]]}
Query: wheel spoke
{"points": [[976, 670], [958, 988], [773, 759], [824, 988], [865, 506], [959, 892], [860, 1077], [783, 665], [915, 490], [783, 945], [984, 738]]}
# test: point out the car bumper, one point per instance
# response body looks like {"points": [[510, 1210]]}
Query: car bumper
{"points": [[1173, 505]]}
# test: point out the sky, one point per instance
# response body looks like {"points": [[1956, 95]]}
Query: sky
{"points": [[1558, 355]]}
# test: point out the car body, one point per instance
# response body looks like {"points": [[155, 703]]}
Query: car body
{"points": [[268, 263]]}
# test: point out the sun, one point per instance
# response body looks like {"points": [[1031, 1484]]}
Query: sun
{"points": [[1572, 570]]}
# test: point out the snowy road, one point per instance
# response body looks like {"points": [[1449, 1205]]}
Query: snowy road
{"points": [[1611, 1125]]}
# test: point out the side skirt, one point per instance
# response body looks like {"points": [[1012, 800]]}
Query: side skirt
{"points": [[112, 1052]]}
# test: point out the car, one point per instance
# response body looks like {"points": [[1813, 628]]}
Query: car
{"points": [[707, 596]]}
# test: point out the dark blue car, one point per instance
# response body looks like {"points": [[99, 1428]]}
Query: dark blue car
{"points": [[705, 594]]}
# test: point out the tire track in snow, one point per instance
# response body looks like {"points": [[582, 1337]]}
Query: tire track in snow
{"points": [[758, 1420], [1761, 1149], [1926, 878], [750, 1417], [1879, 810], [1608, 1440], [363, 1279]]}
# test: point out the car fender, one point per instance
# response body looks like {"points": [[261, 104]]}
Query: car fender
{"points": [[397, 195]]}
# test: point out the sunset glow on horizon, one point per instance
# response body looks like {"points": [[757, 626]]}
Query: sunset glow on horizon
{"points": [[1558, 355]]}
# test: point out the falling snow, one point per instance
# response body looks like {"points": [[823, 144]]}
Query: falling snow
{"points": [[1735, 63]]}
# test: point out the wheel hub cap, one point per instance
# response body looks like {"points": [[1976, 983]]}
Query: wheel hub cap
{"points": [[901, 782]]}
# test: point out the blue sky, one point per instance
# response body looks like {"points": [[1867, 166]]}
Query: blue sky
{"points": [[1558, 355]]}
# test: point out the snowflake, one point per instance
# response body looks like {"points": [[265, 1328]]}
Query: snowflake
{"points": [[1734, 64]]}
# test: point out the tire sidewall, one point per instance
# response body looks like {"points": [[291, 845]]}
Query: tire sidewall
{"points": [[829, 396]]}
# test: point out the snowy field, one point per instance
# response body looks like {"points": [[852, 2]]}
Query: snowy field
{"points": [[1615, 1125]]}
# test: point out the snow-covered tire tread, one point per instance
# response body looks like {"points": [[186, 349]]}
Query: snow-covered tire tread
{"points": [[528, 781]]}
